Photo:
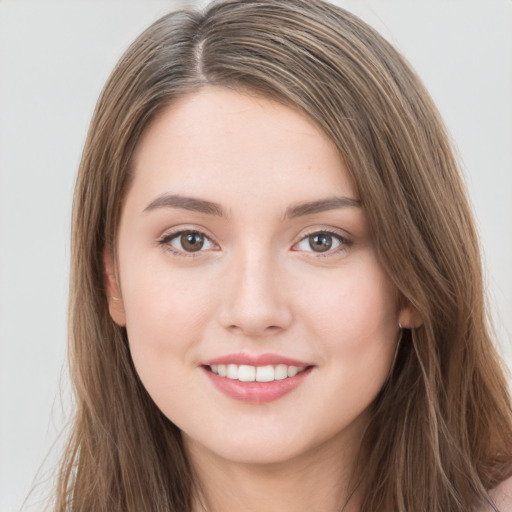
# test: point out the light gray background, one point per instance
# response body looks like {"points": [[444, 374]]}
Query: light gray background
{"points": [[54, 59]]}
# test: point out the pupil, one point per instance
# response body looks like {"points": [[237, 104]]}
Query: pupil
{"points": [[192, 242], [321, 242]]}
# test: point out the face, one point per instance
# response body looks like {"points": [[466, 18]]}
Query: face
{"points": [[259, 318]]}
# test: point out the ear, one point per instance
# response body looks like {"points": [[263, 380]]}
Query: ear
{"points": [[115, 302], [409, 317]]}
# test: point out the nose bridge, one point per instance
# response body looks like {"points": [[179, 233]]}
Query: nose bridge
{"points": [[255, 302]]}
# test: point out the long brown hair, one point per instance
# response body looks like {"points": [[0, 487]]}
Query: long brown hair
{"points": [[441, 432]]}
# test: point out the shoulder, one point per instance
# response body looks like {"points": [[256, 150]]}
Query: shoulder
{"points": [[502, 496]]}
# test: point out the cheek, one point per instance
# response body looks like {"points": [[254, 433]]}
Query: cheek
{"points": [[356, 332], [165, 316], [165, 313], [354, 315]]}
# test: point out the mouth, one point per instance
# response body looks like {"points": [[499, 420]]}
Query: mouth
{"points": [[256, 380], [250, 373]]}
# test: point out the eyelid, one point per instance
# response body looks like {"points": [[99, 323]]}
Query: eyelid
{"points": [[165, 238], [172, 233], [345, 241]]}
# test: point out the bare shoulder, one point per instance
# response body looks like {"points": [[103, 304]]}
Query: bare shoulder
{"points": [[502, 496]]}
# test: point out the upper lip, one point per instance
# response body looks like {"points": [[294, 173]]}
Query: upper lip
{"points": [[256, 360]]}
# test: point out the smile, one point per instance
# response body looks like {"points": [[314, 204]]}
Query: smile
{"points": [[256, 379], [249, 373]]}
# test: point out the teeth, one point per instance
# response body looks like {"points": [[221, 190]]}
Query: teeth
{"points": [[265, 373], [280, 372], [232, 371], [247, 373], [292, 371]]}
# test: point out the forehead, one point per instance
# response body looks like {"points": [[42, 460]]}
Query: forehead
{"points": [[225, 142]]}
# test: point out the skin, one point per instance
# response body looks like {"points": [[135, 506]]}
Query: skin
{"points": [[258, 285]]}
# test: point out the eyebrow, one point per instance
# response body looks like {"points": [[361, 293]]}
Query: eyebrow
{"points": [[211, 208], [186, 203], [322, 205]]}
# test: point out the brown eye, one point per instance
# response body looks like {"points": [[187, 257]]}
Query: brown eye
{"points": [[323, 242], [192, 242], [187, 242], [320, 242]]}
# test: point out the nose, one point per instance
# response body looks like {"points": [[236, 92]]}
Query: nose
{"points": [[255, 301]]}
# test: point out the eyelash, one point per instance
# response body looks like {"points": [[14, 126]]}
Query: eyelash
{"points": [[165, 242], [344, 243]]}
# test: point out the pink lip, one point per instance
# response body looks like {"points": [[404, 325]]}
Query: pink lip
{"points": [[260, 360], [256, 392]]}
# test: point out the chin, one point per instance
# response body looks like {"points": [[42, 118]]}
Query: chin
{"points": [[257, 453], [274, 448]]}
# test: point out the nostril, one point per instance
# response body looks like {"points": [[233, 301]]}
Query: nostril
{"points": [[254, 314]]}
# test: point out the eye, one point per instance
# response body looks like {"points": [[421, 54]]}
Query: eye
{"points": [[322, 242], [187, 242]]}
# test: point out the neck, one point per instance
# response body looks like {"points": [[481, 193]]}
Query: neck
{"points": [[321, 479]]}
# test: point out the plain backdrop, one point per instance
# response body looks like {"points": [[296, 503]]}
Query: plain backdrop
{"points": [[54, 59]]}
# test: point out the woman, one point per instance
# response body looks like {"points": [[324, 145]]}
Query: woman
{"points": [[277, 298]]}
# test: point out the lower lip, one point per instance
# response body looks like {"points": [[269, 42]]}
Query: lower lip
{"points": [[257, 392]]}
